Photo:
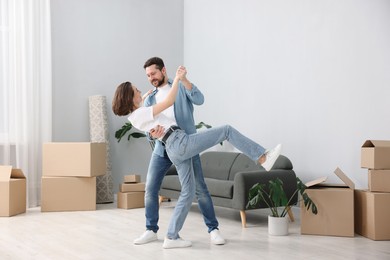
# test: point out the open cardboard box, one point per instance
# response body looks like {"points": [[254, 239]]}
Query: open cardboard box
{"points": [[12, 191], [335, 203], [375, 154]]}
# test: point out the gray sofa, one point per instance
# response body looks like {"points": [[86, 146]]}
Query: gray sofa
{"points": [[230, 175]]}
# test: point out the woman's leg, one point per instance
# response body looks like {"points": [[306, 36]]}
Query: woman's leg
{"points": [[187, 194], [205, 203], [181, 146]]}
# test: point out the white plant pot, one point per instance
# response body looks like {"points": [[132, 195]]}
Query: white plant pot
{"points": [[277, 226]]}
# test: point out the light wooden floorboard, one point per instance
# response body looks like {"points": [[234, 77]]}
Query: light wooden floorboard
{"points": [[108, 232]]}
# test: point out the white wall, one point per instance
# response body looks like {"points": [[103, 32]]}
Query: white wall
{"points": [[96, 46], [313, 75]]}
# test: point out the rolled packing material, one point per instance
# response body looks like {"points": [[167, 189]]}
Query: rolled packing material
{"points": [[98, 129]]}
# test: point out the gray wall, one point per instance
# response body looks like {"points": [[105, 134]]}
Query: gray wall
{"points": [[313, 75], [96, 46]]}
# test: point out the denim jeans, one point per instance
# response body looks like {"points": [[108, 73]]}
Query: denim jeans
{"points": [[181, 147], [157, 169]]}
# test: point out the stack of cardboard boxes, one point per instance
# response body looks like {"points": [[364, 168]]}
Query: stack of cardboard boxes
{"points": [[342, 210], [372, 206], [12, 191], [69, 173], [131, 192]]}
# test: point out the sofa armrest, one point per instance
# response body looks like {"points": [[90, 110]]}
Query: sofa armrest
{"points": [[243, 181]]}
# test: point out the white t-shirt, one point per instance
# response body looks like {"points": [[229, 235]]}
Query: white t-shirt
{"points": [[142, 119], [160, 96]]}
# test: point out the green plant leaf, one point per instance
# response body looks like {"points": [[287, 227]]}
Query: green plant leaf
{"points": [[202, 124], [306, 199], [135, 135], [274, 196], [123, 130]]}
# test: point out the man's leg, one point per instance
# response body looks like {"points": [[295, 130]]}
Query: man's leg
{"points": [[205, 203], [158, 167]]}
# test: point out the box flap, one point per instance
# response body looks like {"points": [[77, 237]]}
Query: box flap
{"points": [[315, 182], [5, 172], [376, 143], [17, 174], [344, 178]]}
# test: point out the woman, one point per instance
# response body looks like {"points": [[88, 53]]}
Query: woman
{"points": [[181, 147]]}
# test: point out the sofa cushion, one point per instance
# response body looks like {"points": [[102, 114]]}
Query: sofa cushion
{"points": [[220, 188], [217, 165], [217, 188]]}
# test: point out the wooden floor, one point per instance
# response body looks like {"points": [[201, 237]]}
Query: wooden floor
{"points": [[108, 232]]}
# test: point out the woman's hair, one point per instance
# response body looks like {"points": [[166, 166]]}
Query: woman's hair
{"points": [[122, 103]]}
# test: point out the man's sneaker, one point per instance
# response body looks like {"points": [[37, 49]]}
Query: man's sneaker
{"points": [[146, 237], [271, 156], [216, 238], [176, 243]]}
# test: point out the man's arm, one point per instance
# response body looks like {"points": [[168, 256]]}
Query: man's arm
{"points": [[195, 95]]}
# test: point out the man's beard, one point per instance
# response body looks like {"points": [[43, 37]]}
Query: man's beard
{"points": [[160, 82]]}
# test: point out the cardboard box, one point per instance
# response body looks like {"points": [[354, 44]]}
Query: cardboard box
{"points": [[74, 159], [12, 191], [379, 180], [131, 200], [132, 187], [375, 154], [372, 214], [68, 193], [335, 205], [132, 178]]}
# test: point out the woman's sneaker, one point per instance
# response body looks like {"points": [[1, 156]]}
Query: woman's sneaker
{"points": [[176, 243], [271, 156]]}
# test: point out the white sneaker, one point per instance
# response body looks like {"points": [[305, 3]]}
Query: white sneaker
{"points": [[271, 157], [146, 237], [176, 243], [216, 238]]}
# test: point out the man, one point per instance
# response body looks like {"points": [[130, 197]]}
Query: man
{"points": [[182, 112]]}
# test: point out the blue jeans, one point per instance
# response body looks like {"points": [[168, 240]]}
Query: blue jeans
{"points": [[158, 167], [181, 147]]}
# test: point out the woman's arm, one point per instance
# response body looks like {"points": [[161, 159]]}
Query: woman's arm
{"points": [[171, 97]]}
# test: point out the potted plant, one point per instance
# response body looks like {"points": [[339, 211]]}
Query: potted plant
{"points": [[275, 198]]}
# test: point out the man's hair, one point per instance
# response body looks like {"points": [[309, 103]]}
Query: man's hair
{"points": [[155, 61], [122, 102]]}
